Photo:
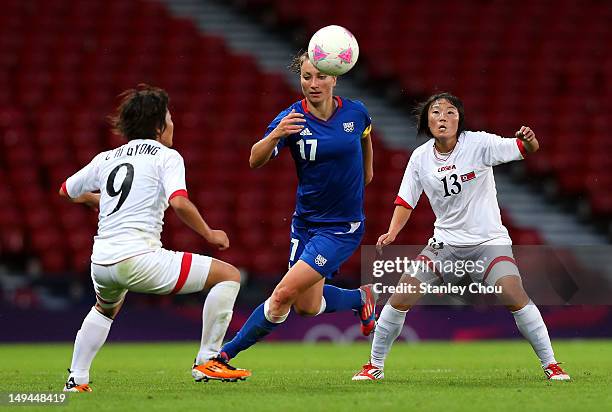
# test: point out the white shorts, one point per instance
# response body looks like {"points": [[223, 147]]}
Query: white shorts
{"points": [[491, 262], [161, 272]]}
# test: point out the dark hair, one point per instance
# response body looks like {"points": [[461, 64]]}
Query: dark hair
{"points": [[422, 111], [295, 66], [141, 113]]}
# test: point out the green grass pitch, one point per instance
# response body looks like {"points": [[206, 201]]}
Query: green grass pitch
{"points": [[494, 375]]}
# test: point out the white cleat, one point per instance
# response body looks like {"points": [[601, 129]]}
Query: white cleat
{"points": [[369, 372], [555, 373]]}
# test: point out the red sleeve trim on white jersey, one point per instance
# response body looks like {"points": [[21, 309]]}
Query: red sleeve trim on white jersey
{"points": [[64, 189], [401, 202], [181, 192], [521, 147]]}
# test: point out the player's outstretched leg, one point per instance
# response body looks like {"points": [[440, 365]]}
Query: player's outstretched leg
{"points": [[389, 327], [274, 311], [88, 341], [530, 323], [224, 283]]}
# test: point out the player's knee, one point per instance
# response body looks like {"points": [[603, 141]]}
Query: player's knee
{"points": [[513, 296], [306, 310], [108, 312], [404, 301], [284, 296], [232, 274]]}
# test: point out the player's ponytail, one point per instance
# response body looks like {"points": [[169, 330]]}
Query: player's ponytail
{"points": [[295, 65]]}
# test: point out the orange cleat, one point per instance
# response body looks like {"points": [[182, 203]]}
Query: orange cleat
{"points": [[218, 369]]}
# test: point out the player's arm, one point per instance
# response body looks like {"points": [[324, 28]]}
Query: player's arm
{"points": [[368, 157], [261, 152], [401, 215], [82, 185], [90, 199], [528, 137], [190, 215]]}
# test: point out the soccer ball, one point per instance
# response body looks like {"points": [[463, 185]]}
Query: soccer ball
{"points": [[333, 50]]}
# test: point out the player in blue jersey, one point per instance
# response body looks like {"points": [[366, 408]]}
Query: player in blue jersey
{"points": [[329, 140]]}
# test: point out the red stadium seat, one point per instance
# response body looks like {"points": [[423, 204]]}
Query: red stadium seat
{"points": [[57, 87]]}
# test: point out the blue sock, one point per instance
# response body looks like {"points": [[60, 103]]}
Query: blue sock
{"points": [[338, 299], [255, 329]]}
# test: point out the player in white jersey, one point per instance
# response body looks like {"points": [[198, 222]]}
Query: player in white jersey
{"points": [[137, 182], [455, 170]]}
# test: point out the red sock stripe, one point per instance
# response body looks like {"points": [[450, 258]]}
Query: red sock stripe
{"points": [[185, 268], [495, 262]]}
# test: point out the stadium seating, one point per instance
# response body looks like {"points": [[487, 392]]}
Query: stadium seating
{"points": [[543, 63], [62, 64]]}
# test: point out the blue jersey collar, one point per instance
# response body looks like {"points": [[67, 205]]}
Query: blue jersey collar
{"points": [[306, 111]]}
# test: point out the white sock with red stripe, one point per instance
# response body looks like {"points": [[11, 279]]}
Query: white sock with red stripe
{"points": [[388, 328], [529, 321], [89, 340], [216, 316]]}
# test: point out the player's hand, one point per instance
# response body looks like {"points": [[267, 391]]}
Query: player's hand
{"points": [[384, 240], [290, 124], [525, 134], [219, 239]]}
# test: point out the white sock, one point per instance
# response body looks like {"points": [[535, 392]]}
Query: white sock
{"points": [[89, 340], [273, 318], [529, 321], [322, 307], [388, 328], [216, 316]]}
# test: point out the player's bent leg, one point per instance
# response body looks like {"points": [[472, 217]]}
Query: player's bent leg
{"points": [[275, 310], [325, 252], [530, 323], [296, 282]]}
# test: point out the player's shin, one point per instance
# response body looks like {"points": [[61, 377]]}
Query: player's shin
{"points": [[257, 326], [389, 327], [216, 316], [529, 321], [338, 299], [89, 340]]}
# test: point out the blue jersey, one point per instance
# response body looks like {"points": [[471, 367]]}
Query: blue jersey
{"points": [[329, 161]]}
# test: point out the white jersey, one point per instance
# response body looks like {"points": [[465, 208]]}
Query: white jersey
{"points": [[461, 187], [136, 182]]}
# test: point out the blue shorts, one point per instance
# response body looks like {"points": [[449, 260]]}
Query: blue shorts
{"points": [[324, 246]]}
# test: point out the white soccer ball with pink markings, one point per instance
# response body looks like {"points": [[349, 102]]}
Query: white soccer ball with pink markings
{"points": [[333, 50]]}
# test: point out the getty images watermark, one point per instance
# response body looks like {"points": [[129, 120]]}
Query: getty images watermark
{"points": [[414, 267], [451, 275]]}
